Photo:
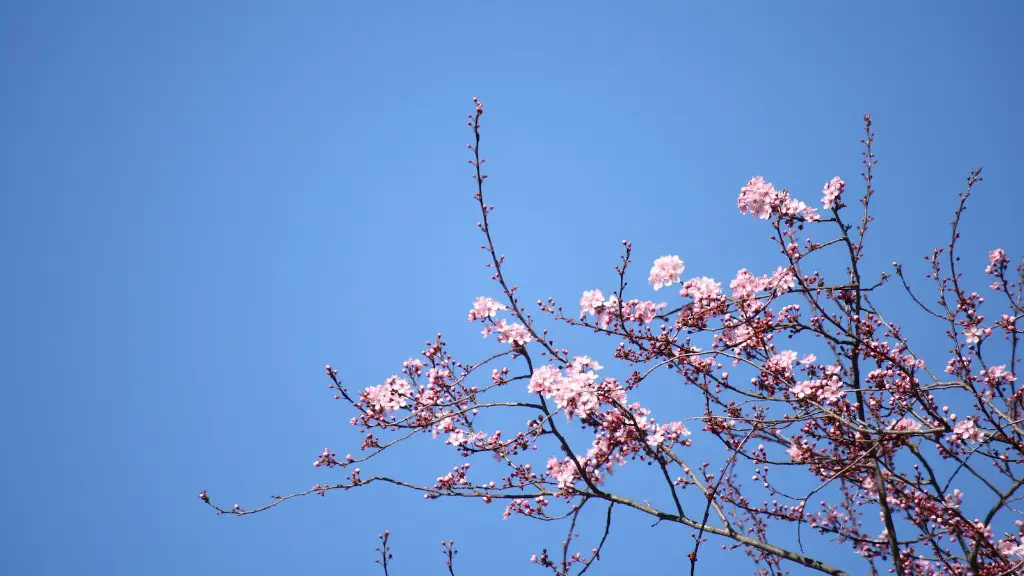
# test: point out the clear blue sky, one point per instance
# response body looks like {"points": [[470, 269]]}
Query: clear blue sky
{"points": [[206, 201]]}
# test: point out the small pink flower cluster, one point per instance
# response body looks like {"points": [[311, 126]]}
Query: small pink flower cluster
{"points": [[484, 307], [412, 366], [641, 310], [745, 287], [523, 506], [760, 199], [830, 193], [780, 366], [997, 376], [592, 303], [563, 472], [997, 261], [513, 333], [706, 293], [665, 271], [577, 391], [906, 425], [389, 397], [623, 432], [967, 431], [1012, 547], [798, 450], [974, 332], [453, 479], [326, 458], [828, 389]]}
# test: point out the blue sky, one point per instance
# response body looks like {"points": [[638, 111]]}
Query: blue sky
{"points": [[205, 202]]}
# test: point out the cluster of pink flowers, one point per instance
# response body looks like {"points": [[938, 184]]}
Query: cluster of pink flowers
{"points": [[515, 334], [828, 388], [413, 366], [967, 431], [453, 479], [523, 507], [592, 303], [997, 261], [670, 432], [707, 298], [641, 311], [973, 333], [760, 199], [798, 450], [1012, 547], [757, 197], [906, 425], [484, 307], [386, 398], [623, 432], [666, 271], [997, 376], [745, 287], [564, 472], [830, 193], [512, 333], [780, 366], [577, 391]]}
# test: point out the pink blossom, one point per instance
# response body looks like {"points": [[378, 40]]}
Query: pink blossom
{"points": [[671, 432], [390, 396], [413, 366], [457, 437], [544, 380], [780, 365], [438, 376], [832, 386], [578, 395], [796, 452], [665, 271], [580, 363], [803, 389], [591, 302], [827, 389], [998, 375], [760, 199], [562, 471], [737, 335], [515, 334], [645, 311], [756, 198], [967, 431], [656, 437], [745, 287], [484, 307], [830, 193], [783, 280], [907, 425], [577, 390], [706, 294], [604, 315], [1012, 547], [793, 208], [997, 260], [444, 425]]}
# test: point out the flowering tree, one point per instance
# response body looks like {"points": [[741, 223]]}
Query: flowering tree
{"points": [[802, 380]]}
